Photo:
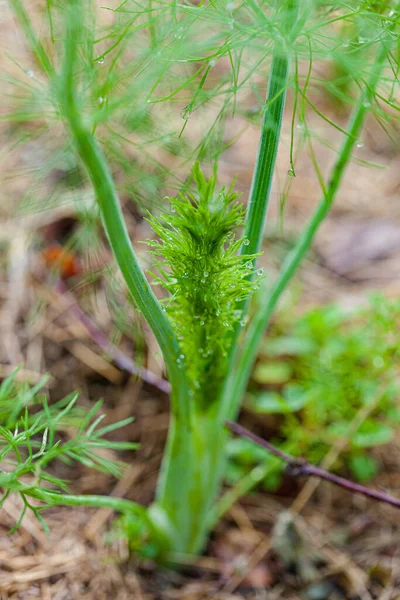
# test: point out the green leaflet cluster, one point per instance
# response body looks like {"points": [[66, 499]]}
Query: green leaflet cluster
{"points": [[205, 277]]}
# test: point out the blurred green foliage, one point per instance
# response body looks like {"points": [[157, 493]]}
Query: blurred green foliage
{"points": [[313, 377]]}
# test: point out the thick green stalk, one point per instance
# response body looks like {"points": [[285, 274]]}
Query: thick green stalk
{"points": [[269, 141], [271, 128], [190, 481], [114, 224], [237, 383], [267, 149]]}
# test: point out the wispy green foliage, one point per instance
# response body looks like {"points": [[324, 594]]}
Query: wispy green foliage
{"points": [[204, 275], [31, 440], [17, 396]]}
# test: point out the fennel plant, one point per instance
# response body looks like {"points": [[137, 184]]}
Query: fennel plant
{"points": [[205, 329]]}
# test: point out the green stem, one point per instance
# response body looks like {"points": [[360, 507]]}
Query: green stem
{"points": [[267, 151], [238, 382], [270, 129], [121, 505], [240, 489], [189, 484], [266, 156], [117, 504], [268, 144], [114, 224], [37, 48]]}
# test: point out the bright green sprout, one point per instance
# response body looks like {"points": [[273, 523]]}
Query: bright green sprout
{"points": [[205, 277]]}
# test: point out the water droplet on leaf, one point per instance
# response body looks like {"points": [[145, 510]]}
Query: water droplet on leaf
{"points": [[101, 60], [185, 113], [291, 172]]}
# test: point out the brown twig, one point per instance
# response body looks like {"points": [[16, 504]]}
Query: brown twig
{"points": [[300, 467], [121, 360]]}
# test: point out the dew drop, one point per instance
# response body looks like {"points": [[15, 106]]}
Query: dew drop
{"points": [[185, 113], [212, 63], [291, 172], [181, 356], [260, 271], [346, 43], [392, 13], [178, 34], [246, 242], [367, 104], [101, 60], [30, 74], [360, 144], [101, 100], [206, 273], [300, 125], [243, 322]]}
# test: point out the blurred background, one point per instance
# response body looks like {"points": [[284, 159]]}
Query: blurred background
{"points": [[326, 382]]}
